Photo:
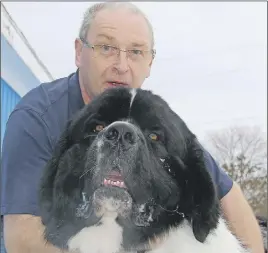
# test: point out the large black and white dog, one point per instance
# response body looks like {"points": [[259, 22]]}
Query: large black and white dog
{"points": [[129, 176]]}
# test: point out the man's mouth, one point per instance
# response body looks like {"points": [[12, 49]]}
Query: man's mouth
{"points": [[116, 84]]}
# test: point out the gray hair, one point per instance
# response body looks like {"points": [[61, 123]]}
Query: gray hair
{"points": [[92, 11]]}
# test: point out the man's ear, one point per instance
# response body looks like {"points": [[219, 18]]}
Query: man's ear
{"points": [[78, 52], [205, 203]]}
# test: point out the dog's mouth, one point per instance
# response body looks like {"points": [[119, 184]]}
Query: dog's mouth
{"points": [[114, 178]]}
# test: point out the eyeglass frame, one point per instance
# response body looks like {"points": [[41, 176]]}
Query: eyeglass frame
{"points": [[89, 45]]}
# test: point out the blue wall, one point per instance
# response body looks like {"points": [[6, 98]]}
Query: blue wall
{"points": [[15, 75], [14, 70], [9, 98]]}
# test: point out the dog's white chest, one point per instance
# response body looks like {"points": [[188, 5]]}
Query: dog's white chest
{"points": [[182, 240], [107, 238], [103, 238]]}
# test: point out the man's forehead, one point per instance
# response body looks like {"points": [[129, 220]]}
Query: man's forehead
{"points": [[108, 25]]}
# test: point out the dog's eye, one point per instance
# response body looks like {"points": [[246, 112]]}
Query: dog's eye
{"points": [[98, 128], [154, 136]]}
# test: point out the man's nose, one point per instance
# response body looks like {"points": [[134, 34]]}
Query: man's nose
{"points": [[122, 63]]}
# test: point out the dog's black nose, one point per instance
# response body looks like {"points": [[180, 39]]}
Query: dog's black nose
{"points": [[122, 132]]}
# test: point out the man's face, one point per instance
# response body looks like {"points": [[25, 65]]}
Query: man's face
{"points": [[101, 68]]}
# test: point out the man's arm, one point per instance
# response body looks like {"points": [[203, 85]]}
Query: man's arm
{"points": [[241, 219], [235, 207], [24, 234], [26, 149]]}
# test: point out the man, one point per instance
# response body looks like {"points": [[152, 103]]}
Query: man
{"points": [[114, 48]]}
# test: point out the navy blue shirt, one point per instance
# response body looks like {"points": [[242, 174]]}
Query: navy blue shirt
{"points": [[32, 132]]}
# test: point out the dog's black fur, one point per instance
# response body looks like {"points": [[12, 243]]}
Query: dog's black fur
{"points": [[168, 175]]}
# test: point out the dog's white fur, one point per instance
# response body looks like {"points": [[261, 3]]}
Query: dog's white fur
{"points": [[107, 238], [133, 93]]}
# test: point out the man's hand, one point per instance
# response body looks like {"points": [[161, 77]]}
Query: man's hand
{"points": [[24, 234], [242, 220]]}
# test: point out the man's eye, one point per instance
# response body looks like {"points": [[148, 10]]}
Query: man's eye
{"points": [[136, 51], [106, 47]]}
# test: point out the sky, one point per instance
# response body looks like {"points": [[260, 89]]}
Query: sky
{"points": [[211, 62]]}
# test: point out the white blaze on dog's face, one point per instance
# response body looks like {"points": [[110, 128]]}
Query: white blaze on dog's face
{"points": [[129, 157], [133, 93]]}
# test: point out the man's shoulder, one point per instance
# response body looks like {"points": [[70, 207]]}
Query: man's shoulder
{"points": [[50, 105], [46, 95]]}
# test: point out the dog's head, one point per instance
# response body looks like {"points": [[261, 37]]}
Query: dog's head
{"points": [[129, 155]]}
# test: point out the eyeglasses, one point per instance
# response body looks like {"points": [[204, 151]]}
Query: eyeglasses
{"points": [[136, 55]]}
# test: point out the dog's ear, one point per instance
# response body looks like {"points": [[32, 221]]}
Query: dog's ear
{"points": [[198, 199], [46, 185], [205, 203], [72, 134]]}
